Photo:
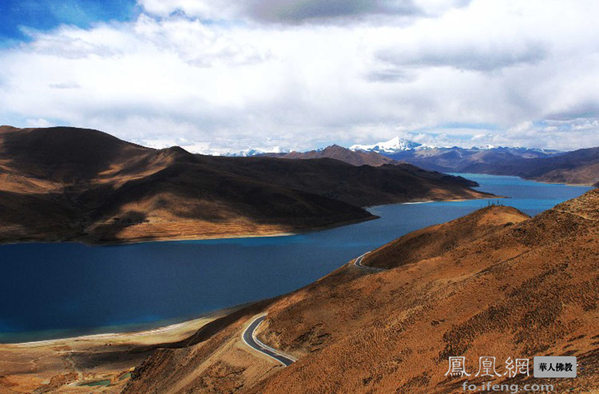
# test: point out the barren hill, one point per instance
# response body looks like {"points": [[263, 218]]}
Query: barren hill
{"points": [[64, 183], [356, 158], [492, 283], [356, 185], [436, 240]]}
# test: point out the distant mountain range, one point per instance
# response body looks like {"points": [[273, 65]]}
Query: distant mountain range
{"points": [[65, 183], [576, 167], [356, 158], [451, 158]]}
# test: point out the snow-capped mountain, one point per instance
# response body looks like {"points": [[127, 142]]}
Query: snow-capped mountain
{"points": [[481, 159], [394, 145]]}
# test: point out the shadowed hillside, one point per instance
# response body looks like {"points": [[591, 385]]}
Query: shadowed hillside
{"points": [[65, 183], [357, 185], [492, 283]]}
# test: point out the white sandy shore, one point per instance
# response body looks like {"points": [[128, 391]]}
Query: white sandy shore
{"points": [[176, 329]]}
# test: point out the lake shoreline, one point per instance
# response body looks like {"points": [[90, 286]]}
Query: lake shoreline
{"points": [[186, 321], [139, 241], [161, 328], [154, 285], [142, 240], [115, 356]]}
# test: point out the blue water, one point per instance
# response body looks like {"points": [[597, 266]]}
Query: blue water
{"points": [[59, 290]]}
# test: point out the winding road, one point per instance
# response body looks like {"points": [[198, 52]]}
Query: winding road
{"points": [[249, 337], [249, 334], [358, 263]]}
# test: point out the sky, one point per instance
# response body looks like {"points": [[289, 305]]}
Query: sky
{"points": [[216, 76]]}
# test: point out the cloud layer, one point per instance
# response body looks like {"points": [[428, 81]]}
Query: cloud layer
{"points": [[220, 75], [299, 11]]}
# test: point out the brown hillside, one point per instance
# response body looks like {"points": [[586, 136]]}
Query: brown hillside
{"points": [[436, 240], [64, 183], [355, 158], [520, 290], [587, 174]]}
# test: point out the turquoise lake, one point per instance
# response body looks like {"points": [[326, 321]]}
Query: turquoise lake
{"points": [[60, 290]]}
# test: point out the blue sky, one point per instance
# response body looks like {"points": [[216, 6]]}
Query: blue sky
{"points": [[218, 76], [45, 15]]}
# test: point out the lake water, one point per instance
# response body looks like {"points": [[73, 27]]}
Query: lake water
{"points": [[59, 290]]}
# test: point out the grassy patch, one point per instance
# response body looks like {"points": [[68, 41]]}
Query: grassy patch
{"points": [[104, 382]]}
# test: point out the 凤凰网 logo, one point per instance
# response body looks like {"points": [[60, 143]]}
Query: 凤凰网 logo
{"points": [[542, 367], [487, 367]]}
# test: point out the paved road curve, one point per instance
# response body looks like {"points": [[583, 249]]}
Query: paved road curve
{"points": [[249, 337], [358, 263]]}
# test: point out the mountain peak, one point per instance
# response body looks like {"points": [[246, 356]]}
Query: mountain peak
{"points": [[395, 144], [333, 148], [356, 158]]}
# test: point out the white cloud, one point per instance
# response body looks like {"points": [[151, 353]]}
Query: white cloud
{"points": [[506, 73], [38, 123], [299, 11]]}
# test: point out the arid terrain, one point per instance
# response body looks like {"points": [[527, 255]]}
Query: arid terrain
{"points": [[494, 282], [299, 196], [67, 184], [85, 363]]}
